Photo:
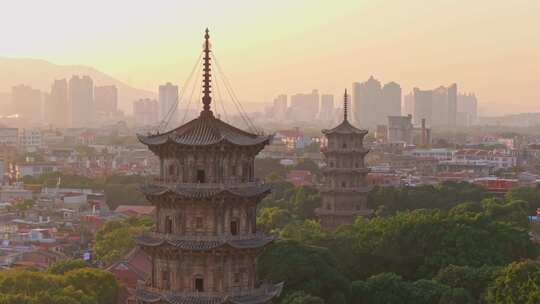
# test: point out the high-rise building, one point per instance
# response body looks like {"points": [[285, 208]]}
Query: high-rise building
{"points": [[468, 107], [56, 104], [391, 100], [365, 103], [345, 190], [400, 129], [423, 103], [280, 107], [408, 104], [438, 106], [205, 244], [168, 97], [27, 103], [372, 104], [106, 99], [146, 112], [304, 107], [327, 108], [81, 99]]}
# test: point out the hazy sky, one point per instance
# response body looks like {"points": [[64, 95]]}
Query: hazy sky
{"points": [[491, 47]]}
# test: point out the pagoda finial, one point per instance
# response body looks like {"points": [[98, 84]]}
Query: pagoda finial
{"points": [[345, 96], [206, 99]]}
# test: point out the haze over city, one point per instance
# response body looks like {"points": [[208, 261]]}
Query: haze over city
{"points": [[270, 152], [486, 47]]}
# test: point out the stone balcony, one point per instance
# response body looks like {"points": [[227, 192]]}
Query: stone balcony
{"points": [[224, 238], [263, 294]]}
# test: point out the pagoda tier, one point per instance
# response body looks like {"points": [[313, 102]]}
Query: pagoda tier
{"points": [[205, 131], [344, 193], [158, 191], [205, 243]]}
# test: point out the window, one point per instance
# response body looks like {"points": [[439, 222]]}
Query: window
{"points": [[199, 284], [201, 176], [344, 145], [237, 277], [343, 185], [172, 170], [165, 282], [199, 222], [234, 227], [168, 224]]}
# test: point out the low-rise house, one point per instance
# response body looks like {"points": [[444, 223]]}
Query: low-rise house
{"points": [[300, 177], [135, 210]]}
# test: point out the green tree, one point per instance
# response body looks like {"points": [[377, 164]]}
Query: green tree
{"points": [[474, 280], [301, 297], [519, 282], [115, 238], [64, 266], [308, 231], [271, 218], [100, 284], [303, 268]]}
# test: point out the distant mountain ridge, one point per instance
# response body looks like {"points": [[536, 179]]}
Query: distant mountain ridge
{"points": [[40, 74]]}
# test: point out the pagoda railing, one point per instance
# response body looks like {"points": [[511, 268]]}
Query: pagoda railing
{"points": [[223, 184], [174, 237], [234, 292]]}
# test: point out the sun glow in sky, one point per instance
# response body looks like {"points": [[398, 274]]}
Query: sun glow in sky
{"points": [[490, 47]]}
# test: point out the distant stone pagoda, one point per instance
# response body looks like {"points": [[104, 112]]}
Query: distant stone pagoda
{"points": [[345, 188], [205, 246]]}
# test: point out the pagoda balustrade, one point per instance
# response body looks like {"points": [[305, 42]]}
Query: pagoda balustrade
{"points": [[174, 237], [237, 182]]}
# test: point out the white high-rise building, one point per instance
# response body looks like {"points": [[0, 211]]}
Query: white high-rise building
{"points": [[438, 107], [372, 104], [468, 108], [279, 110], [327, 108], [57, 105], [81, 99], [168, 110], [146, 112], [304, 107]]}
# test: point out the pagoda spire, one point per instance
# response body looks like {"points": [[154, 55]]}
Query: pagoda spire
{"points": [[206, 99], [345, 96]]}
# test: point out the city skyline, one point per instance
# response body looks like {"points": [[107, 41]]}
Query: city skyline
{"points": [[419, 48]]}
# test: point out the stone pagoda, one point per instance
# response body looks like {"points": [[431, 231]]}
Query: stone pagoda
{"points": [[345, 188], [205, 244]]}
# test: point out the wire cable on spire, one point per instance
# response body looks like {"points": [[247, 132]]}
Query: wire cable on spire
{"points": [[167, 118], [234, 99]]}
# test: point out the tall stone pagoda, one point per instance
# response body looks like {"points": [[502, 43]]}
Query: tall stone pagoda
{"points": [[205, 244], [345, 188]]}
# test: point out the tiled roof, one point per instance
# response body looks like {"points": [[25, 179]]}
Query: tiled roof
{"points": [[204, 131], [345, 128], [205, 192], [152, 241]]}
